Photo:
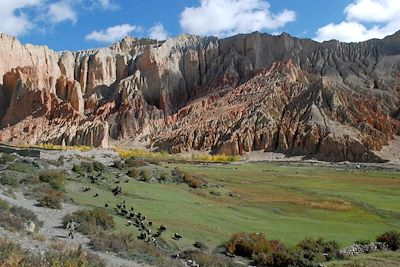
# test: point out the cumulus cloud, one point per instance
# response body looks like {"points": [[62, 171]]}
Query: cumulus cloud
{"points": [[111, 34], [158, 32], [18, 17], [228, 17], [365, 19], [13, 20], [62, 11]]}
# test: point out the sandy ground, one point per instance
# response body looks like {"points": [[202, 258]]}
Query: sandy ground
{"points": [[52, 220], [391, 151]]}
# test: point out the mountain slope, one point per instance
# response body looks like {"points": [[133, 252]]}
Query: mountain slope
{"points": [[334, 100]]}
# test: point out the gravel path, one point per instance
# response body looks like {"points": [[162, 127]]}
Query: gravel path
{"points": [[52, 220]]}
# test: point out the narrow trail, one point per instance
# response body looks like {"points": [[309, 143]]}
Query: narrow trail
{"points": [[52, 230]]}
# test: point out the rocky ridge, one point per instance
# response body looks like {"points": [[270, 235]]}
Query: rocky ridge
{"points": [[333, 100]]}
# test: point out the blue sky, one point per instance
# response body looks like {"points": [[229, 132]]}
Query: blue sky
{"points": [[83, 24]]}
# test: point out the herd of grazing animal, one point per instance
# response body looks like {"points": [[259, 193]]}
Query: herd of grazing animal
{"points": [[134, 219]]}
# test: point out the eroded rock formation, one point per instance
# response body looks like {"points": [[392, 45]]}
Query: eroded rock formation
{"points": [[333, 100]]}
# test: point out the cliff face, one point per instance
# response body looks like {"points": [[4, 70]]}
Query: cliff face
{"points": [[248, 92]]}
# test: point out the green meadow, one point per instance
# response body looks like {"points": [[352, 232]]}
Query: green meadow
{"points": [[288, 202]]}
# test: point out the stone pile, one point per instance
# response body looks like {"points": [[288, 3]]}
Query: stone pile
{"points": [[358, 249]]}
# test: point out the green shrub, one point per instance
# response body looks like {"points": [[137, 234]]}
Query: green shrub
{"points": [[318, 250], [133, 173], [7, 158], [263, 252], [145, 176], [200, 245], [114, 242], [119, 164], [8, 179], [163, 178], [54, 178], [98, 166], [30, 179], [88, 167], [91, 221], [4, 206], [134, 162], [50, 198], [391, 239], [83, 167], [280, 258], [22, 167]]}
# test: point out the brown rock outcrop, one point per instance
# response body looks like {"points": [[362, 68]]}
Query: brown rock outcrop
{"points": [[248, 92]]}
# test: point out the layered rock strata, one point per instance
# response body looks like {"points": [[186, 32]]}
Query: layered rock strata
{"points": [[333, 100]]}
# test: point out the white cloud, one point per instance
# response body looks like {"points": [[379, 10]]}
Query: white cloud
{"points": [[13, 20], [228, 17], [158, 32], [365, 19], [381, 11], [107, 4], [111, 34], [62, 11]]}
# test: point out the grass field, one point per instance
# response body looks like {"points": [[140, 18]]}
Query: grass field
{"points": [[379, 259], [286, 202]]}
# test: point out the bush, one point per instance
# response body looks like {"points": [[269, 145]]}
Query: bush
{"points": [[119, 164], [6, 158], [91, 221], [307, 253], [21, 167], [391, 239], [243, 244], [10, 251], [54, 178], [50, 198], [30, 179], [210, 260], [183, 177], [145, 176], [318, 250], [71, 256], [12, 254], [200, 245], [133, 162], [8, 179], [163, 178], [133, 173], [281, 258], [14, 218], [98, 166], [127, 246], [88, 167], [114, 242], [26, 215], [193, 181], [4, 206]]}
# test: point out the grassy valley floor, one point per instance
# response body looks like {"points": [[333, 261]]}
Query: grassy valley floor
{"points": [[288, 202]]}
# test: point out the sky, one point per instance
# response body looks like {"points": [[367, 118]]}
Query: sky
{"points": [[83, 24]]}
